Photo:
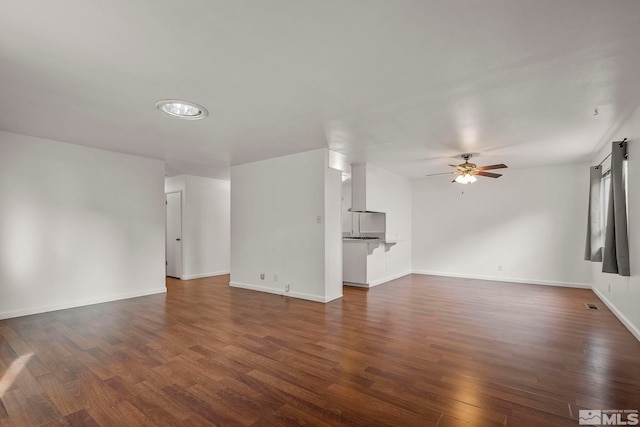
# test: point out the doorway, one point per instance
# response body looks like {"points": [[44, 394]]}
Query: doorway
{"points": [[173, 234]]}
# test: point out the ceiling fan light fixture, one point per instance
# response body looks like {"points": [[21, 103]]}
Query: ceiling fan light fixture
{"points": [[182, 109], [466, 178], [467, 171]]}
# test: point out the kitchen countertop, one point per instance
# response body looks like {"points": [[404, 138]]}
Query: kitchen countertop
{"points": [[351, 240]]}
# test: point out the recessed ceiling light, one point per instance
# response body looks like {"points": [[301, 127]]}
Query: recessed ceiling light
{"points": [[182, 109]]}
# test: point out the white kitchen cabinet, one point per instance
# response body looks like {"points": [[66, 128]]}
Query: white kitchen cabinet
{"points": [[364, 262], [354, 262], [371, 222], [376, 266]]}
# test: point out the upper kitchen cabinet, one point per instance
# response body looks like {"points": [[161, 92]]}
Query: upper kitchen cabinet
{"points": [[368, 188]]}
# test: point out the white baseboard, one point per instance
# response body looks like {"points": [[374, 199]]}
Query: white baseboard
{"points": [[388, 279], [277, 291], [200, 276], [377, 282], [506, 279], [79, 303], [630, 326], [329, 299], [357, 285]]}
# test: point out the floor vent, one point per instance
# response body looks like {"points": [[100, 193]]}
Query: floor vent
{"points": [[591, 306]]}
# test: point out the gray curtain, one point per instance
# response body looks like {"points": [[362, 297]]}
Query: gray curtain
{"points": [[593, 246], [616, 244]]}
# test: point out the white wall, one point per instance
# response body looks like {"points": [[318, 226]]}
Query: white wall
{"points": [[531, 222], [333, 233], [622, 294], [206, 236], [78, 225], [347, 215], [398, 196], [275, 206], [175, 183]]}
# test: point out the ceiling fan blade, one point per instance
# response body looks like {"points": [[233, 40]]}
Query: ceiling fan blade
{"points": [[489, 174], [443, 173], [486, 168]]}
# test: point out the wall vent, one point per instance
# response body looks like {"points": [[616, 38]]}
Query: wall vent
{"points": [[591, 306]]}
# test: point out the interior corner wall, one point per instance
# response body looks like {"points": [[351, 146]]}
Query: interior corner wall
{"points": [[173, 184], [622, 294], [527, 226], [79, 225], [278, 225]]}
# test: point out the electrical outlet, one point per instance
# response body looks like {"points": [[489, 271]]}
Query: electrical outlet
{"points": [[499, 268], [287, 287], [275, 277], [609, 287], [261, 276], [319, 219]]}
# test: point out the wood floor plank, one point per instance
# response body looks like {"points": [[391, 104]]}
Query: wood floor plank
{"points": [[80, 418], [289, 415], [17, 407], [420, 350], [387, 411], [203, 408], [482, 393], [64, 401], [42, 408], [214, 394], [144, 403], [152, 392]]}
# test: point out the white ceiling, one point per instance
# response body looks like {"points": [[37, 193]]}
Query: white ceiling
{"points": [[405, 85]]}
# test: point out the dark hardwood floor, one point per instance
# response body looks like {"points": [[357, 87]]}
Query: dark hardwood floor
{"points": [[421, 350]]}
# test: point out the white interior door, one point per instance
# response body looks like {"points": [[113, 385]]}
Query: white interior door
{"points": [[173, 234]]}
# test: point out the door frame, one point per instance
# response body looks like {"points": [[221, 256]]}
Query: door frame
{"points": [[166, 260]]}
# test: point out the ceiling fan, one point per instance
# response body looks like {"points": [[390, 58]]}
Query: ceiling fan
{"points": [[467, 171]]}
